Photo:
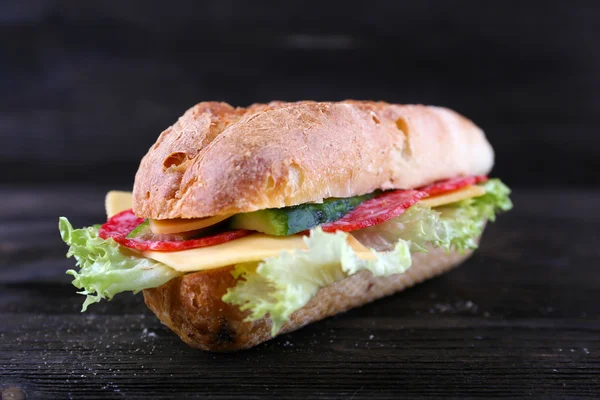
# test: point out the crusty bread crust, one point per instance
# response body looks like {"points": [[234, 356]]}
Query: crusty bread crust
{"points": [[218, 159], [191, 305]]}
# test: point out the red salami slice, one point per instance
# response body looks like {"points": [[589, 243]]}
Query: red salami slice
{"points": [[449, 185], [121, 224], [375, 211]]}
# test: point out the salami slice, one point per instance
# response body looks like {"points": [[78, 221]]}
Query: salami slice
{"points": [[375, 211], [451, 184], [121, 224]]}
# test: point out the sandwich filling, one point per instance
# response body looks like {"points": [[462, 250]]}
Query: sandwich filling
{"points": [[282, 257]]}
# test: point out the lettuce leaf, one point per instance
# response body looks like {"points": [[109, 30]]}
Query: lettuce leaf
{"points": [[452, 227], [105, 268], [278, 286], [281, 285], [495, 199]]}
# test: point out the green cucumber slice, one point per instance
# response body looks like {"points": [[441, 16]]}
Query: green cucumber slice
{"points": [[290, 220]]}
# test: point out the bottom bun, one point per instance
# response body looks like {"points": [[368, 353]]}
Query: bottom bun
{"points": [[191, 305]]}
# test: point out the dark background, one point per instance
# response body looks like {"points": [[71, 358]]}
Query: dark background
{"points": [[87, 86]]}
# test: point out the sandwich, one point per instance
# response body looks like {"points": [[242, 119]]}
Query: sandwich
{"points": [[246, 223]]}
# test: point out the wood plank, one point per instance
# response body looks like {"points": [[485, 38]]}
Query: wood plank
{"points": [[521, 318]]}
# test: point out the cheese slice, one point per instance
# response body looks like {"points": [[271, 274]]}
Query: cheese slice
{"points": [[255, 247], [467, 192], [184, 225], [117, 201]]}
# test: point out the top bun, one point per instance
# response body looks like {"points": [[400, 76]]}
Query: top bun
{"points": [[217, 159]]}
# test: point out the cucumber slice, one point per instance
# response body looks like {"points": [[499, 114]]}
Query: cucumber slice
{"points": [[290, 220], [142, 230]]}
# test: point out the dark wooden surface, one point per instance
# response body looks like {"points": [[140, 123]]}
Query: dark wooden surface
{"points": [[87, 86], [520, 319]]}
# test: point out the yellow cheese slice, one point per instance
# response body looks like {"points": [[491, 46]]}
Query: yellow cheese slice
{"points": [[255, 247], [117, 201], [452, 197], [184, 225]]}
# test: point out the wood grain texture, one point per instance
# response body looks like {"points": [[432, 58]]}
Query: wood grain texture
{"points": [[78, 77], [521, 318]]}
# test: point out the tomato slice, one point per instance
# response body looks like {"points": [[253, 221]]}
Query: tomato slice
{"points": [[121, 224], [375, 211], [448, 185]]}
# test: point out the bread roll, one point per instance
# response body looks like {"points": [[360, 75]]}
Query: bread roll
{"points": [[222, 160], [191, 305]]}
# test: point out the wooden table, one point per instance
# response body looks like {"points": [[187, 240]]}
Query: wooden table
{"points": [[521, 318]]}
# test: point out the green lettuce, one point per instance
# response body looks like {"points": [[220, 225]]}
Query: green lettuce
{"points": [[278, 286], [105, 268], [455, 226], [281, 285]]}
